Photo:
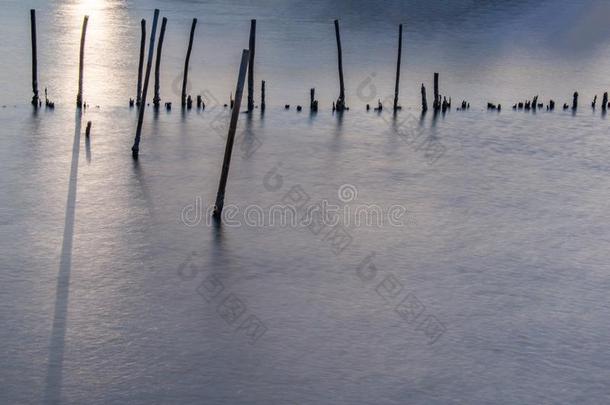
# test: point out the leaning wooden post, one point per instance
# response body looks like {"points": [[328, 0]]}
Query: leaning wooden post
{"points": [[157, 98], [263, 105], [398, 67], [186, 62], [79, 96], [135, 149], [34, 59], [251, 65], [141, 62], [340, 106], [436, 104], [220, 197]]}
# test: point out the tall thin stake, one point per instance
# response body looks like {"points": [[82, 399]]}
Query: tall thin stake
{"points": [[81, 60], [135, 149], [341, 101], [220, 197], [398, 67], [141, 63], [34, 59], [157, 97], [186, 62], [251, 65], [263, 104]]}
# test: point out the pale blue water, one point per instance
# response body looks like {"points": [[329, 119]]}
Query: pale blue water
{"points": [[505, 240]]}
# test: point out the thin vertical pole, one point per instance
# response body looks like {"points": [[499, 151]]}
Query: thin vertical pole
{"points": [[436, 103], [135, 149], [157, 98], [186, 62], [220, 197], [34, 59], [341, 100], [79, 96], [252, 46], [141, 62], [263, 104], [398, 67]]}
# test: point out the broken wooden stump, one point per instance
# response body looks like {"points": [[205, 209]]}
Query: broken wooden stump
{"points": [[424, 101], [575, 101], [199, 102], [220, 196], [135, 149], [594, 102], [605, 101], [81, 59], [437, 102], [88, 129], [313, 103], [157, 96]]}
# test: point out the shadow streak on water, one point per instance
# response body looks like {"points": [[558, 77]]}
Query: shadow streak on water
{"points": [[58, 333]]}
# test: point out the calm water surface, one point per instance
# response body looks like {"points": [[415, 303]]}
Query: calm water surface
{"points": [[106, 296]]}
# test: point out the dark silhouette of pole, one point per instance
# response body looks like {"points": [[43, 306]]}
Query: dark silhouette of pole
{"points": [[186, 62], [263, 104], [252, 46], [398, 67], [141, 63], [35, 101], [135, 149], [424, 101], [575, 101], [341, 101], [437, 102], [220, 197], [157, 98], [79, 96]]}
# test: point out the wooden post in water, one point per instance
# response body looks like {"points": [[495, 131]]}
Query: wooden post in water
{"points": [[251, 65], [35, 100], [313, 103], [220, 196], [340, 106], [398, 67], [135, 149], [263, 105], [157, 98], [186, 62], [575, 101], [436, 104], [79, 96], [424, 101], [88, 129], [141, 62]]}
